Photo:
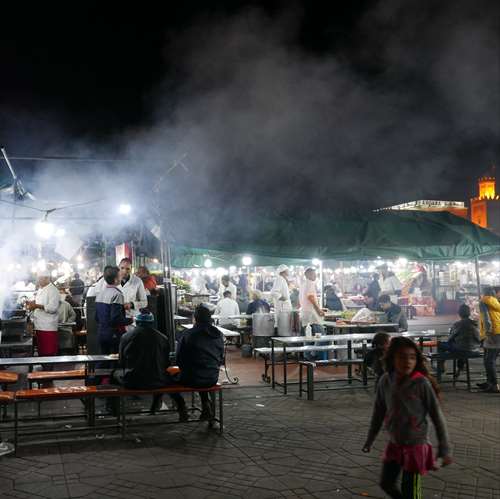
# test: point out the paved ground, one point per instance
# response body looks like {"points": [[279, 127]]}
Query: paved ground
{"points": [[273, 447]]}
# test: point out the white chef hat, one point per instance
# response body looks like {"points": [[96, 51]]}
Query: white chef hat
{"points": [[310, 267], [43, 273], [282, 268]]}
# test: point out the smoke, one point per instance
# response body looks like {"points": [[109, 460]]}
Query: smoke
{"points": [[406, 107]]}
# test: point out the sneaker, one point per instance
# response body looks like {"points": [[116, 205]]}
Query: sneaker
{"points": [[6, 448], [483, 385]]}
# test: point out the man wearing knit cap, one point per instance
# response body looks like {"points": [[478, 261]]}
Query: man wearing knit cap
{"points": [[144, 358], [45, 315]]}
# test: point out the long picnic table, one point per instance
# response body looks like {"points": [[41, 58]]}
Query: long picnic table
{"points": [[89, 361], [293, 341]]}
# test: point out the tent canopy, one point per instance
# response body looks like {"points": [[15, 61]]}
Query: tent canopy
{"points": [[424, 236]]}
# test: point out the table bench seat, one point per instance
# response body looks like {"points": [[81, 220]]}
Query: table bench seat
{"points": [[91, 392], [40, 376], [305, 348], [311, 365], [8, 377], [7, 397]]}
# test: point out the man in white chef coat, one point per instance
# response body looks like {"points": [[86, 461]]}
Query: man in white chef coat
{"points": [[311, 312], [226, 308], [389, 284], [280, 291], [133, 290], [227, 285], [45, 309]]}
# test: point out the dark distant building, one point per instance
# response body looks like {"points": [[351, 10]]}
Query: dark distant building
{"points": [[485, 208]]}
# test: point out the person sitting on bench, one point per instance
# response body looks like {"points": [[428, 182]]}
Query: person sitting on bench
{"points": [[464, 340], [144, 358], [394, 313], [200, 353], [374, 357]]}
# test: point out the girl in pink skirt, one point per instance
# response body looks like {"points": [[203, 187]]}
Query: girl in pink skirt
{"points": [[406, 395]]}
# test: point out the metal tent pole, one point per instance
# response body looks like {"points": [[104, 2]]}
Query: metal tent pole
{"points": [[167, 294], [478, 280]]}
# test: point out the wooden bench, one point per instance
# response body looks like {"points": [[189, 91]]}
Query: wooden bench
{"points": [[7, 378], [39, 377], [266, 352], [311, 366], [440, 357], [91, 392]]}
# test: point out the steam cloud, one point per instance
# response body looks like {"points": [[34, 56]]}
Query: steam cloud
{"points": [[407, 108]]}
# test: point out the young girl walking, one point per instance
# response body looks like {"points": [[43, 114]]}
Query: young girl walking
{"points": [[406, 395]]}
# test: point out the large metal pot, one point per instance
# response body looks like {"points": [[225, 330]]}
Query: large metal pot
{"points": [[262, 325], [288, 323]]}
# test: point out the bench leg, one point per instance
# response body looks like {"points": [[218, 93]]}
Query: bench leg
{"points": [[467, 372], [300, 379], [349, 366], [221, 412], [285, 371], [4, 407], [16, 427], [310, 382], [213, 409], [123, 415]]}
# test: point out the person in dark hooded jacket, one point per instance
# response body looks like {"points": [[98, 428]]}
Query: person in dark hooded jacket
{"points": [[200, 353], [144, 358]]}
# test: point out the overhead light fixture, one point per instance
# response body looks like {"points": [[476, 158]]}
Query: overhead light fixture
{"points": [[246, 261], [207, 263], [316, 262], [124, 209], [44, 229]]}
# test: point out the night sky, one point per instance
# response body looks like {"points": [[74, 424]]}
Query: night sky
{"points": [[284, 106]]}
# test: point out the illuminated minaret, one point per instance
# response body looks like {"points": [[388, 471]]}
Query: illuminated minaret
{"points": [[485, 208], [487, 188]]}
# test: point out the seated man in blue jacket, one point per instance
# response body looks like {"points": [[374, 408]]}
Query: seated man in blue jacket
{"points": [[200, 353]]}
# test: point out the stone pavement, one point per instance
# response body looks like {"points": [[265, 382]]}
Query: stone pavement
{"points": [[273, 447]]}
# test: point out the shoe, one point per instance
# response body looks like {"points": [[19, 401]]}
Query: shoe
{"points": [[206, 414], [183, 412], [483, 385], [492, 389], [6, 448], [156, 405]]}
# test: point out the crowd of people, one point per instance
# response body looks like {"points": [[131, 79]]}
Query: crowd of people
{"points": [[406, 393]]}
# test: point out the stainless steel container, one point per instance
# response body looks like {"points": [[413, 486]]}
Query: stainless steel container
{"points": [[288, 323], [262, 325]]}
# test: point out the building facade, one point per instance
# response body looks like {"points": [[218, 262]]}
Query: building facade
{"points": [[485, 208]]}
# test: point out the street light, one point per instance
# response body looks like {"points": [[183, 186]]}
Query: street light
{"points": [[246, 261], [44, 229], [124, 209]]}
